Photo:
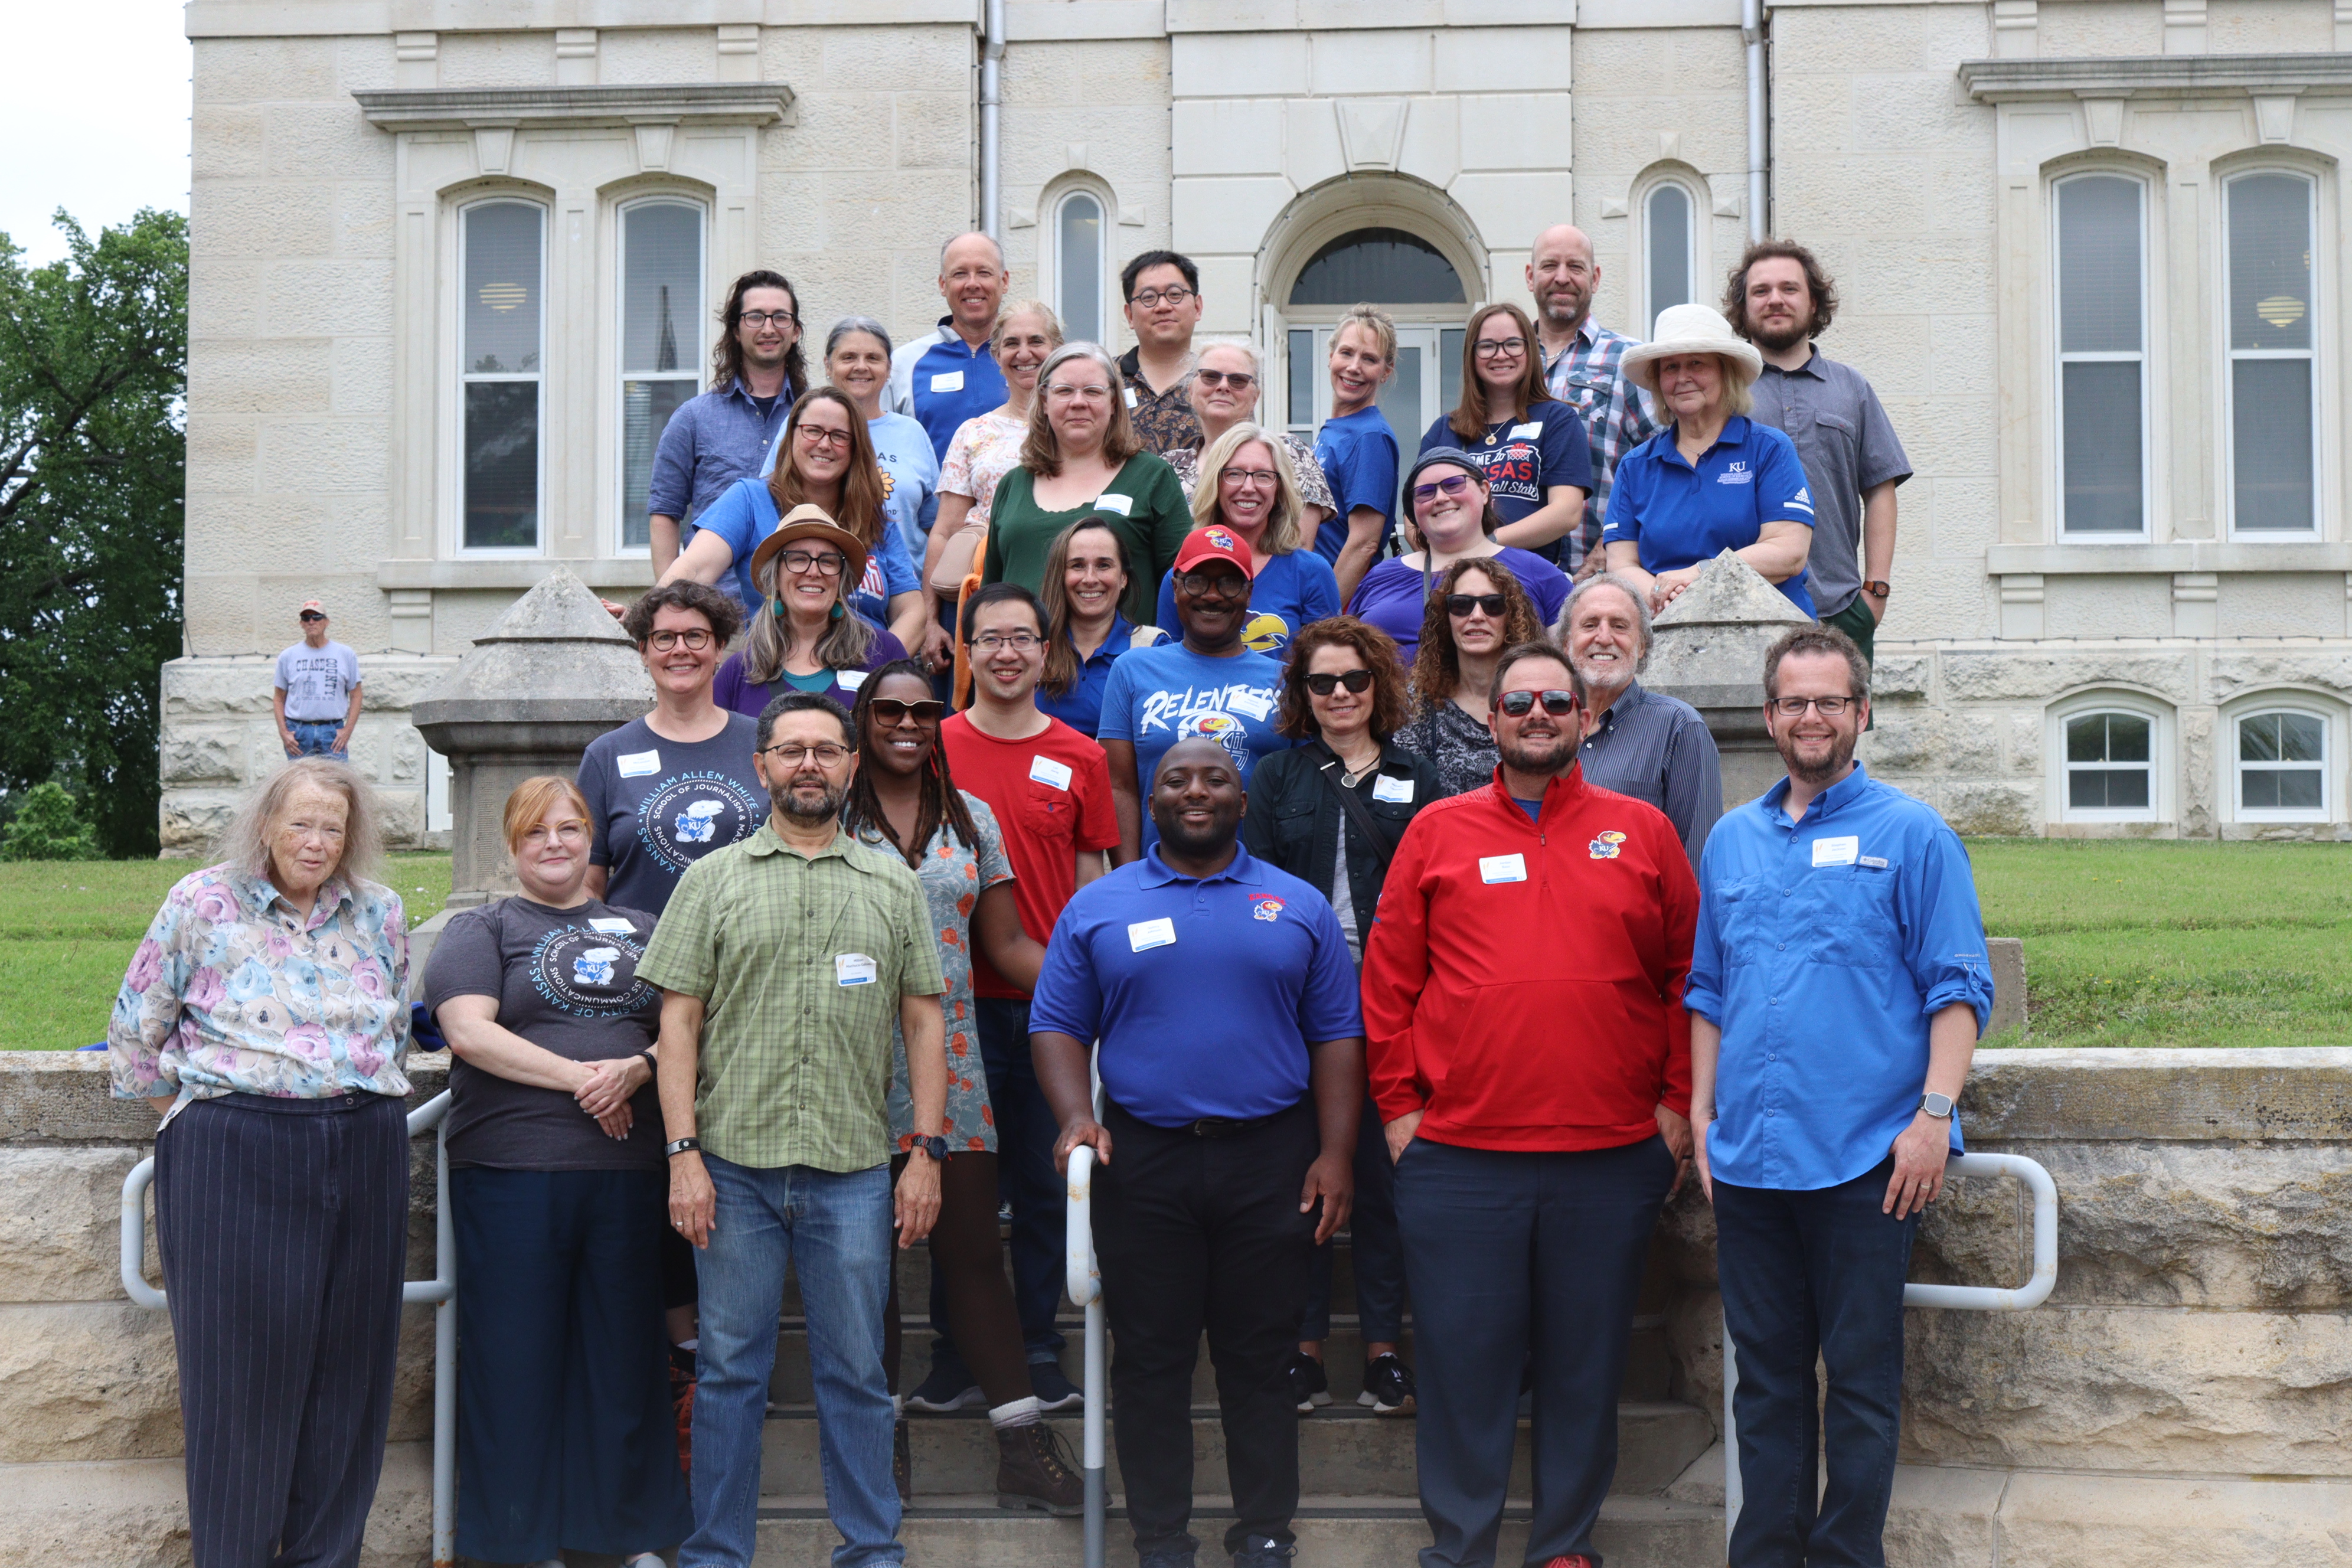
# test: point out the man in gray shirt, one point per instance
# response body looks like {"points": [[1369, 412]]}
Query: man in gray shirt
{"points": [[1639, 742], [1779, 299], [316, 691]]}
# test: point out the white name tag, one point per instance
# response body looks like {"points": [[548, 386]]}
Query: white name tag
{"points": [[1046, 771], [1130, 396], [1122, 505], [614, 925], [947, 381], [638, 764], [1503, 868], [852, 969], [1144, 936], [1255, 705], [1393, 791], [849, 679], [1837, 851], [1530, 431]]}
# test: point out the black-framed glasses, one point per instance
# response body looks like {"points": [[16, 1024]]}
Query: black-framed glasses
{"points": [[1019, 642], [792, 753], [1501, 348], [755, 320], [1198, 583], [1175, 294], [1239, 380], [1463, 604], [1326, 682], [696, 639], [1264, 477], [1794, 706], [818, 436], [1519, 704], [897, 711], [1452, 485], [823, 562]]}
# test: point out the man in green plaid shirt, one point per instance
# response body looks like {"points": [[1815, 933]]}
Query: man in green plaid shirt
{"points": [[783, 960]]}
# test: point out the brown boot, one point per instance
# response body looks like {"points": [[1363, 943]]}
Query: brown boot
{"points": [[1033, 1471], [902, 1461]]}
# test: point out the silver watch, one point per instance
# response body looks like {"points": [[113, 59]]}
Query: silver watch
{"points": [[1938, 1106]]}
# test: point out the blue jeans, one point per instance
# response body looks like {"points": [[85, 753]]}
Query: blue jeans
{"points": [[836, 1230], [316, 739], [1806, 1274]]}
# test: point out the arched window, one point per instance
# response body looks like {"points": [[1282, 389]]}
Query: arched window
{"points": [[502, 328], [1386, 266], [1081, 266], [1670, 250], [2282, 766], [2101, 295], [661, 340], [2273, 370], [2109, 758], [1413, 281]]}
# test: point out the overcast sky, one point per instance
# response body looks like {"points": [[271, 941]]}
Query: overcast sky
{"points": [[93, 114]]}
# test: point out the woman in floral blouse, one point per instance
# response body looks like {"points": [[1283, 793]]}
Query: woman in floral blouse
{"points": [[266, 1017]]}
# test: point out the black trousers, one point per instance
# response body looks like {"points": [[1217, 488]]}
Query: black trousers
{"points": [[284, 1229], [1199, 1233]]}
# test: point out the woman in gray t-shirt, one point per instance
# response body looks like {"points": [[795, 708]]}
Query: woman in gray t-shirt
{"points": [[557, 1192]]}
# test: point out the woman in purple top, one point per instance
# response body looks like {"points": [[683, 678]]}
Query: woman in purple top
{"points": [[802, 636], [1455, 515]]}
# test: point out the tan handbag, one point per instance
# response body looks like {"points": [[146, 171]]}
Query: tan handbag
{"points": [[959, 557]]}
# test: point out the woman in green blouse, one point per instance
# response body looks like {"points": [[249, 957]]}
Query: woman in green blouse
{"points": [[1083, 458]]}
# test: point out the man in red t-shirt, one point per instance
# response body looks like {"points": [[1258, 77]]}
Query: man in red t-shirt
{"points": [[1050, 787]]}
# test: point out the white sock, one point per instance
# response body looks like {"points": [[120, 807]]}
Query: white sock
{"points": [[897, 1406], [1018, 1413]]}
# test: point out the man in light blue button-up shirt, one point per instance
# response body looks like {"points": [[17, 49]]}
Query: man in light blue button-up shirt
{"points": [[1838, 983]]}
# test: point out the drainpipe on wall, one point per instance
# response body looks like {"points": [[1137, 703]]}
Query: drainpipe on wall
{"points": [[1751, 33], [992, 115]]}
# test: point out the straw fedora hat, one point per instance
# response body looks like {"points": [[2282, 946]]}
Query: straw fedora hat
{"points": [[805, 522], [1691, 330]]}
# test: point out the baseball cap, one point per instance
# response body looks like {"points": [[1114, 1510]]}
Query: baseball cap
{"points": [[310, 605], [1213, 544]]}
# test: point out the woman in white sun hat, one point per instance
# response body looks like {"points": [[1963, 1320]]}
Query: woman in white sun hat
{"points": [[1714, 479]]}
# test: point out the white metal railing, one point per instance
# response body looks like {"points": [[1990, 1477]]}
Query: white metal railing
{"points": [[441, 1290], [1951, 1298], [1085, 1286]]}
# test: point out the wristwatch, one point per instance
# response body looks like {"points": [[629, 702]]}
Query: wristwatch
{"points": [[935, 1146], [682, 1146], [1878, 588], [1938, 1106]]}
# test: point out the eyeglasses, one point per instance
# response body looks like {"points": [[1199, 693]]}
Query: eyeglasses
{"points": [[823, 562], [1063, 392], [696, 639], [1501, 348], [570, 832], [1174, 294], [1794, 706], [1239, 380], [755, 320], [1463, 604], [1263, 476], [1356, 681], [1019, 642], [792, 754], [1453, 486], [894, 710], [1224, 583], [1519, 704], [312, 616], [818, 436]]}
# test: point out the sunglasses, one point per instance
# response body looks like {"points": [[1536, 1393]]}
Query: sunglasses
{"points": [[1452, 485], [1356, 681], [923, 710], [1463, 604], [1239, 380], [312, 616], [1519, 704]]}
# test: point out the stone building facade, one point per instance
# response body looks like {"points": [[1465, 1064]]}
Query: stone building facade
{"points": [[452, 260]]}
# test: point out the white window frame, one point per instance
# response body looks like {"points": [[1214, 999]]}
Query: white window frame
{"points": [[2225, 426], [2145, 357], [2160, 752], [2331, 758], [1645, 189], [694, 357], [1055, 268], [454, 425]]}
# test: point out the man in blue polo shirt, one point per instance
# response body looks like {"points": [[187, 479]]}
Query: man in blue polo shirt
{"points": [[1232, 1073], [948, 376], [1837, 985]]}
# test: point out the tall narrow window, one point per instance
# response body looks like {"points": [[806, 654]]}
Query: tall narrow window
{"points": [[2272, 395], [1306, 370], [1079, 265], [2102, 356], [2281, 765], [1668, 234], [661, 341], [501, 363], [2109, 765]]}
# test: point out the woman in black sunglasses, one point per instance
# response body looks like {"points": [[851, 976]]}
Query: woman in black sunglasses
{"points": [[1476, 608], [903, 803], [1331, 812]]}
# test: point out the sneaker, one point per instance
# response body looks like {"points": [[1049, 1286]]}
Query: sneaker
{"points": [[943, 1390], [1264, 1550], [1054, 1390], [1182, 1559], [1035, 1470], [902, 1461], [1579, 1561], [1388, 1385], [1308, 1385], [682, 1372]]}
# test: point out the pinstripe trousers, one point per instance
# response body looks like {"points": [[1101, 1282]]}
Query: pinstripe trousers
{"points": [[284, 1229]]}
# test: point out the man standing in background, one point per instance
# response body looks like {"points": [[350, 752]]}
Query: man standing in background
{"points": [[756, 370], [1582, 368], [316, 692], [948, 376], [1164, 306]]}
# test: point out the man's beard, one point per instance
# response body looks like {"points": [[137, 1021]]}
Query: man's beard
{"points": [[1557, 313], [1611, 678], [1522, 758], [1840, 753], [1773, 340], [811, 814]]}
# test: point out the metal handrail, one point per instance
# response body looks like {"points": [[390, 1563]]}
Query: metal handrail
{"points": [[1951, 1298], [441, 1291], [1084, 1282]]}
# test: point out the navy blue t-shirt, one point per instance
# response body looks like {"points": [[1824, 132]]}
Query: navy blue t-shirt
{"points": [[1523, 459]]}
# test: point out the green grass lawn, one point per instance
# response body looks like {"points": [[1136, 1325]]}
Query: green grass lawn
{"points": [[2126, 943]]}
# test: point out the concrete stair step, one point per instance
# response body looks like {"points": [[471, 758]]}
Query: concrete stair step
{"points": [[1343, 1451], [1334, 1532]]}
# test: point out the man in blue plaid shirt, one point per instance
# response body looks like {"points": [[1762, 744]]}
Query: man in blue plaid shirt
{"points": [[1580, 360]]}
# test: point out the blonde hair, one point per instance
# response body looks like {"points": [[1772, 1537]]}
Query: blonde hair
{"points": [[1041, 453], [1282, 532], [1375, 321], [1024, 308], [846, 643], [527, 806], [244, 844]]}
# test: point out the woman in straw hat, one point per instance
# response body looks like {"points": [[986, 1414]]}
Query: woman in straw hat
{"points": [[803, 635], [1712, 481]]}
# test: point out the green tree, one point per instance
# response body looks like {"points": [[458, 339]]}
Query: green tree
{"points": [[93, 456], [46, 827]]}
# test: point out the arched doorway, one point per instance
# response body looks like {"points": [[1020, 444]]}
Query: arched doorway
{"points": [[1411, 280]]}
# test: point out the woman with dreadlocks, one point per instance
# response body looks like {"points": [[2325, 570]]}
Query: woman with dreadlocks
{"points": [[902, 802]]}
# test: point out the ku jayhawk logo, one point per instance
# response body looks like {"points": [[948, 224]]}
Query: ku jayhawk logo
{"points": [[1223, 728], [1266, 908], [1220, 538], [694, 825], [595, 966], [1604, 846]]}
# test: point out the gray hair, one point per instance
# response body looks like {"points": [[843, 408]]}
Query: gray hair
{"points": [[244, 844], [970, 234], [848, 324], [1634, 597], [1240, 345]]}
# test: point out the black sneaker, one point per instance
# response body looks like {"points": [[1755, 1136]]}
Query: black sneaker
{"points": [[1388, 1385], [1054, 1390], [944, 1390], [1264, 1550], [1308, 1385]]}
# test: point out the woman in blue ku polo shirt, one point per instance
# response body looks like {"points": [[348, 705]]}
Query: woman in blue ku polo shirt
{"points": [[1531, 451], [1714, 479]]}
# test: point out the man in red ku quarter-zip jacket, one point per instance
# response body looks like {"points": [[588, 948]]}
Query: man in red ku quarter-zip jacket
{"points": [[1531, 1059]]}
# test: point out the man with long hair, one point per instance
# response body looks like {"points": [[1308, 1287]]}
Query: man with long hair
{"points": [[757, 371]]}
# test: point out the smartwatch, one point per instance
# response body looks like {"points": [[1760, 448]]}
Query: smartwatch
{"points": [[935, 1146], [682, 1146], [1938, 1106]]}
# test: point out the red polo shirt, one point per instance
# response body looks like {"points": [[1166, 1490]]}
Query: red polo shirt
{"points": [[1051, 793]]}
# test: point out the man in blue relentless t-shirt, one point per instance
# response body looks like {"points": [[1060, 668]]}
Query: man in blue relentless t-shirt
{"points": [[1233, 1072]]}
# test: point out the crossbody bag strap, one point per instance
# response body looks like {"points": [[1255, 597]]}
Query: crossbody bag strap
{"points": [[1361, 820]]}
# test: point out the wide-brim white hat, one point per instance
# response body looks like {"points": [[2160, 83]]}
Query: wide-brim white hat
{"points": [[1691, 330]]}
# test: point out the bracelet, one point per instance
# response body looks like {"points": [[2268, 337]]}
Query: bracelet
{"points": [[647, 1056], [677, 1146]]}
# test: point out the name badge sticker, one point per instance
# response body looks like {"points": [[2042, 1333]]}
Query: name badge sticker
{"points": [[1123, 505], [1046, 771], [1530, 431], [638, 764], [849, 679], [852, 969], [1130, 396], [1503, 868], [1257, 705], [1142, 936], [1392, 791], [947, 381], [612, 926], [1843, 851]]}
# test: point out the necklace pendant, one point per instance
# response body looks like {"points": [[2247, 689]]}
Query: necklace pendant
{"points": [[1490, 437]]}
